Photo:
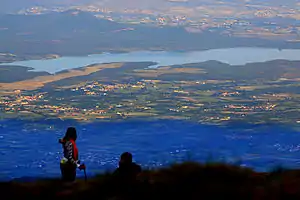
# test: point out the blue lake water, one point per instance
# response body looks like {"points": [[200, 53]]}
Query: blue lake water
{"points": [[30, 149], [234, 56]]}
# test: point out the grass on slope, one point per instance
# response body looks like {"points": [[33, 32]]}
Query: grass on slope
{"points": [[180, 181]]}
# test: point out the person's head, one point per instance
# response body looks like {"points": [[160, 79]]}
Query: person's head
{"points": [[126, 158], [71, 134]]}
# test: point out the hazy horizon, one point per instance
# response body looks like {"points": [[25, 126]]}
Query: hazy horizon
{"points": [[15, 5]]}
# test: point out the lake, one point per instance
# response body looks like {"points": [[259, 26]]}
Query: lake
{"points": [[32, 149], [233, 56]]}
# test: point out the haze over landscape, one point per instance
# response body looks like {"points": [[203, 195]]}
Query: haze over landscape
{"points": [[139, 4], [215, 79]]}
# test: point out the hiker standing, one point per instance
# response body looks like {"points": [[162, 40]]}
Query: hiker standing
{"points": [[69, 163]]}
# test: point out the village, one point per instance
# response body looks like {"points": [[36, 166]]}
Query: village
{"points": [[145, 98]]}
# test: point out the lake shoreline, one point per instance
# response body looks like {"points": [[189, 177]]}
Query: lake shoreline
{"points": [[163, 58], [50, 55]]}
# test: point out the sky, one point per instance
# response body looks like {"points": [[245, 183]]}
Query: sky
{"points": [[15, 5]]}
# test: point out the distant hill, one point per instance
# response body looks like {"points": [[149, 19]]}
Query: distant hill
{"points": [[271, 70], [10, 74], [73, 33]]}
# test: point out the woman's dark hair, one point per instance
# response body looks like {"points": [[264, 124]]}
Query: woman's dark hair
{"points": [[71, 134]]}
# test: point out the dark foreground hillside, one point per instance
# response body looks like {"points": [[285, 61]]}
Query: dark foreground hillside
{"points": [[183, 181]]}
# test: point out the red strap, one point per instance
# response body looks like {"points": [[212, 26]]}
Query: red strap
{"points": [[75, 150]]}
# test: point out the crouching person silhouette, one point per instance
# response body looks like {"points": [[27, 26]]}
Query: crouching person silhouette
{"points": [[127, 170], [69, 163], [125, 176]]}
